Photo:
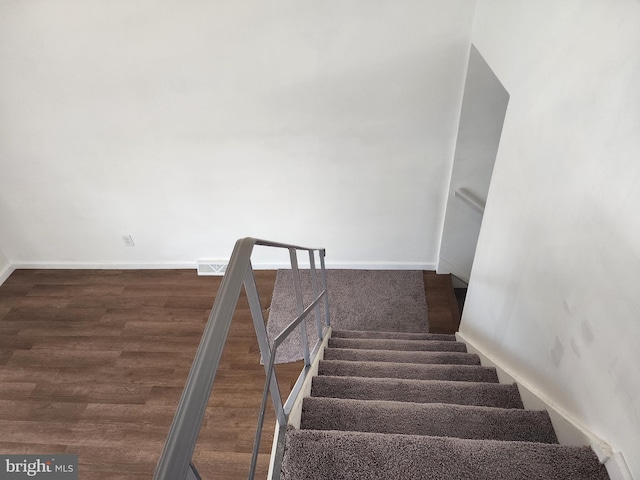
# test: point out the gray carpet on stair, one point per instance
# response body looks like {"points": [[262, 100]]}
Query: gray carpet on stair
{"points": [[463, 373], [434, 419], [391, 335], [320, 455], [392, 344], [399, 356], [383, 300], [418, 391], [413, 407]]}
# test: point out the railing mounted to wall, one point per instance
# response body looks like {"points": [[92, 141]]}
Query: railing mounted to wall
{"points": [[176, 460], [470, 199]]}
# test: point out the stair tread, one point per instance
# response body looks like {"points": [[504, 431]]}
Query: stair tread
{"points": [[373, 334], [418, 391], [419, 371], [432, 419], [396, 344], [316, 454], [401, 356]]}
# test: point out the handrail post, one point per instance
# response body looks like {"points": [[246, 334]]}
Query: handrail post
{"points": [[322, 252], [271, 382], [192, 473], [298, 288], [175, 462], [263, 340]]}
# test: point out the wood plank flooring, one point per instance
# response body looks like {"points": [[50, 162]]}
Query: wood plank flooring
{"points": [[93, 363], [444, 315]]}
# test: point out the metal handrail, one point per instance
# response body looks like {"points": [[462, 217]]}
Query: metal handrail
{"points": [[175, 461], [470, 199]]}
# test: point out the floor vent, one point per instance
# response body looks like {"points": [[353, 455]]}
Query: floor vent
{"points": [[212, 267]]}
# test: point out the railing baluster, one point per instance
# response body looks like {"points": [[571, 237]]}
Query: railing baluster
{"points": [[263, 340], [271, 382], [265, 394], [314, 283], [193, 474], [298, 288], [323, 272]]}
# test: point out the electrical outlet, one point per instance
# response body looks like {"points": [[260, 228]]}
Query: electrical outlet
{"points": [[128, 241]]}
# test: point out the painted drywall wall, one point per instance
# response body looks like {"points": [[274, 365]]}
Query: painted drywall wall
{"points": [[553, 291], [484, 106], [5, 267], [4, 261], [190, 124]]}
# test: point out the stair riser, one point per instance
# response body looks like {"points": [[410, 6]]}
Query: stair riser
{"points": [[392, 335], [464, 373], [417, 391], [427, 419], [401, 345], [433, 358]]}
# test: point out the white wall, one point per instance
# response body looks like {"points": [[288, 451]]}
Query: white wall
{"points": [[554, 287], [5, 267], [484, 105], [191, 124]]}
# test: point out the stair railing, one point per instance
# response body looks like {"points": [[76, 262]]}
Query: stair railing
{"points": [[176, 460]]}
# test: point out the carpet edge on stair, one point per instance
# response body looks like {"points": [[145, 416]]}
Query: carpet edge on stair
{"points": [[316, 455], [419, 391], [402, 356], [417, 371], [432, 419]]}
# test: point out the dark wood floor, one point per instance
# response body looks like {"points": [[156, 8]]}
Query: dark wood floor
{"points": [[444, 315], [93, 363]]}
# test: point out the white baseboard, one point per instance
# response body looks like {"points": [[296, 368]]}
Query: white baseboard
{"points": [[617, 468], [354, 265], [568, 430], [382, 265], [105, 265], [194, 265], [6, 272], [218, 267]]}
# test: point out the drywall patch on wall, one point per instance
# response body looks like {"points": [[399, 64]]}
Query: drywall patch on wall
{"points": [[557, 352]]}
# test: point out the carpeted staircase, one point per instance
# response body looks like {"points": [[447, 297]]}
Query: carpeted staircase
{"points": [[388, 406]]}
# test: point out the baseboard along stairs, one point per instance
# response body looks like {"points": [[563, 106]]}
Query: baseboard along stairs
{"points": [[405, 406]]}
